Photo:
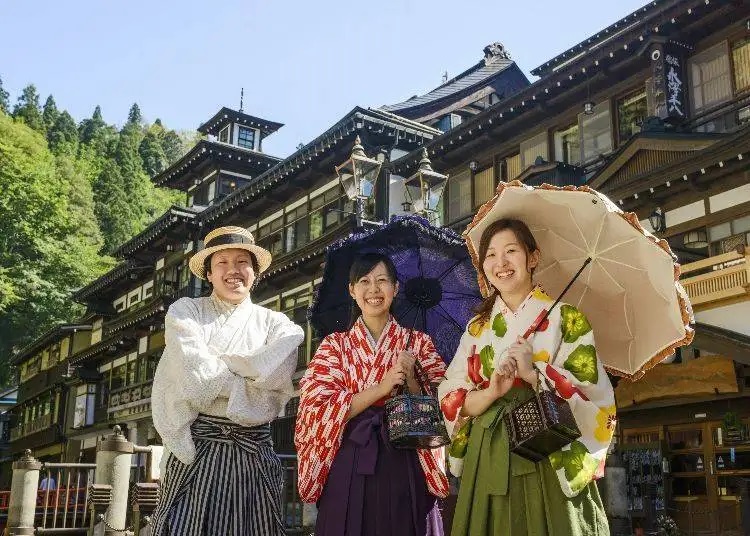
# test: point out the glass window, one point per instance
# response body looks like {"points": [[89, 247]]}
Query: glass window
{"points": [[297, 228], [596, 132], [710, 81], [459, 196], [224, 135], [741, 64], [271, 236], [118, 377], [568, 145], [484, 185], [741, 225], [227, 185], [512, 167], [717, 232], [533, 148], [448, 122], [631, 111], [325, 212], [246, 138]]}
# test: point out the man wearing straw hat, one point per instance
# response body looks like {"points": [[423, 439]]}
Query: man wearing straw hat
{"points": [[226, 372]]}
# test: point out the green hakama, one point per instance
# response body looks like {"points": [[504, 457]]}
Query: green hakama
{"points": [[504, 494]]}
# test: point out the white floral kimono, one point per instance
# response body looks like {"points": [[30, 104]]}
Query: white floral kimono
{"points": [[565, 354]]}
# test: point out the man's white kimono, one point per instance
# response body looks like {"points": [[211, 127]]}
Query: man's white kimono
{"points": [[221, 360]]}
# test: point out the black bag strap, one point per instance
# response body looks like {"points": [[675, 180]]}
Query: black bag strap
{"points": [[418, 372]]}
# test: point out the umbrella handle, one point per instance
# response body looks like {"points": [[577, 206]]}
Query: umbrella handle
{"points": [[541, 318]]}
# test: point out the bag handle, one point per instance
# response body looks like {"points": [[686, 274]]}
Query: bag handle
{"points": [[417, 372]]}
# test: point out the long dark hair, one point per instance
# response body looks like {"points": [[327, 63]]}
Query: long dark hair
{"points": [[363, 265], [528, 243]]}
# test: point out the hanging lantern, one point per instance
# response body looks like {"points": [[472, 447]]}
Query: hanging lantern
{"points": [[359, 173], [425, 187]]}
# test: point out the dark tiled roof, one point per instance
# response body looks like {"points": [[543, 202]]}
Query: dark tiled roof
{"points": [[208, 149], [119, 272], [318, 149], [476, 75], [170, 218], [651, 10], [46, 339], [227, 115]]}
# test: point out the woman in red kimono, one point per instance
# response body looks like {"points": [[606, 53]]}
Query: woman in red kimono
{"points": [[362, 485]]}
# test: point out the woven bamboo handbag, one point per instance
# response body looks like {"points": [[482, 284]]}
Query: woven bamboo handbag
{"points": [[541, 425], [415, 421]]}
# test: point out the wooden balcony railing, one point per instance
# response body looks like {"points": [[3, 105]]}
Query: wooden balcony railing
{"points": [[22, 430], [718, 279]]}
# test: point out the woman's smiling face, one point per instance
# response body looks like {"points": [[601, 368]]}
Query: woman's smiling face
{"points": [[506, 265], [374, 292]]}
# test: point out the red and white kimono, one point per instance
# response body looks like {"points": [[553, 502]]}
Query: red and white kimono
{"points": [[346, 364]]}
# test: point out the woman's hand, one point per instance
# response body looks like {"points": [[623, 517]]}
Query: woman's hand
{"points": [[502, 379], [394, 377], [407, 360], [522, 353]]}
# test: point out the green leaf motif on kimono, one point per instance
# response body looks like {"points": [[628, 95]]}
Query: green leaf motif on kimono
{"points": [[487, 356], [582, 363], [499, 325], [579, 465], [574, 323], [460, 441]]}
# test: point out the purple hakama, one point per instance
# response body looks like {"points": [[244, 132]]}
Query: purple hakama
{"points": [[374, 489]]}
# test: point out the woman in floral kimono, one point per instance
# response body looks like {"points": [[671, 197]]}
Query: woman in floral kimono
{"points": [[497, 365], [362, 485]]}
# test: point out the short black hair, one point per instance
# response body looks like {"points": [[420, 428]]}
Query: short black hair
{"points": [[207, 263]]}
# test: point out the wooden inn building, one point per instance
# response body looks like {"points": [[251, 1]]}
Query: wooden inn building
{"points": [[653, 110]]}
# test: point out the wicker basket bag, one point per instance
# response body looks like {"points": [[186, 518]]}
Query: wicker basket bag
{"points": [[541, 425], [415, 421]]}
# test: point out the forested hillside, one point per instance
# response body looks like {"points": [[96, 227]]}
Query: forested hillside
{"points": [[70, 193]]}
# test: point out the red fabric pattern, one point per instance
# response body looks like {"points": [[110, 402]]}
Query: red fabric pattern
{"points": [[343, 366]]}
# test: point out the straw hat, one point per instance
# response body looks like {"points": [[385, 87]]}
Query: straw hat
{"points": [[229, 238]]}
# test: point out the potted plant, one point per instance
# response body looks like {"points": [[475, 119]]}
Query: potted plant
{"points": [[732, 426], [666, 526]]}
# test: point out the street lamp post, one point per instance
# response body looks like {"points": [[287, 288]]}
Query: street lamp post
{"points": [[425, 188], [358, 176]]}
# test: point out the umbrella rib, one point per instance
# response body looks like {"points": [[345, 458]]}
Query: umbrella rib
{"points": [[575, 222], [460, 294], [573, 244], [623, 264], [449, 317], [610, 248], [449, 270]]}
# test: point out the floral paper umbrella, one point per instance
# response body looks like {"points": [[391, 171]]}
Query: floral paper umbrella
{"points": [[629, 290]]}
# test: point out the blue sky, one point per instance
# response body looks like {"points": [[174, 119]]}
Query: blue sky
{"points": [[304, 64]]}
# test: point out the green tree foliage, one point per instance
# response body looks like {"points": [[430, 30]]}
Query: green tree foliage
{"points": [[152, 152], [62, 136], [4, 106], [134, 115], [67, 202], [50, 113], [48, 246], [112, 207], [27, 108], [91, 129]]}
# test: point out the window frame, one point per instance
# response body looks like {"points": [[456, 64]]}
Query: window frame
{"points": [[604, 107]]}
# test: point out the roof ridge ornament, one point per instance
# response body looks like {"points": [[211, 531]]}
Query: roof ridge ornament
{"points": [[494, 52]]}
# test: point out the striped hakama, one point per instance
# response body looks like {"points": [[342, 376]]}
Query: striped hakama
{"points": [[232, 488]]}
